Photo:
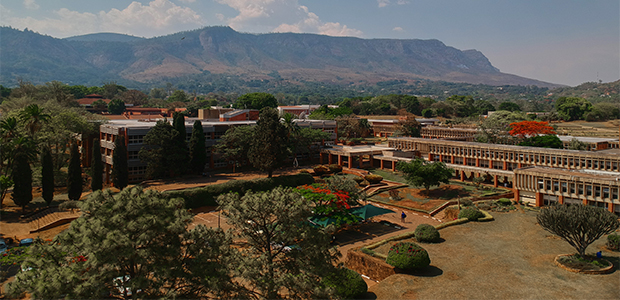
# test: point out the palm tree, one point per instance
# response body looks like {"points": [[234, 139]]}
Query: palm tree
{"points": [[34, 117]]}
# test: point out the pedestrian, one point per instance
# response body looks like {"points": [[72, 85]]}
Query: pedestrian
{"points": [[402, 216]]}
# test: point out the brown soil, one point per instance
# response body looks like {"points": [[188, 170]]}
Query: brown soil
{"points": [[419, 199], [509, 258]]}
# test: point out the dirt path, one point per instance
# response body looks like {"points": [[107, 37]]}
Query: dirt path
{"points": [[509, 258]]}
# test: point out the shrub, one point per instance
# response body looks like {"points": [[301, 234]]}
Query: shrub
{"points": [[426, 233], [471, 214], [320, 170], [205, 196], [67, 205], [451, 213], [504, 201], [408, 256], [346, 283], [613, 242], [373, 178], [335, 168], [358, 179], [368, 251], [467, 202], [364, 183]]}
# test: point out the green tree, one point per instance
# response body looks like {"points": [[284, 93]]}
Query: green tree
{"points": [[235, 144], [305, 140], [351, 126], [572, 108], [111, 90], [178, 96], [576, 144], [427, 113], [409, 126], [285, 257], [256, 101], [268, 149], [426, 174], [136, 241], [509, 106], [163, 155], [463, 106], [22, 179], [99, 104], [543, 141], [116, 107], [579, 225], [197, 148], [178, 122], [494, 129], [134, 97], [96, 169], [33, 117], [120, 168], [74, 178], [47, 176]]}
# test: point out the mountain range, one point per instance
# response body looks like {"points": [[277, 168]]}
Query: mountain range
{"points": [[294, 57]]}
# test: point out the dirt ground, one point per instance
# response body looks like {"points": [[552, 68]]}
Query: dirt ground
{"points": [[509, 258]]}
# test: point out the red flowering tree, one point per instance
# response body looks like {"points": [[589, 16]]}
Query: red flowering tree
{"points": [[527, 129], [329, 203]]}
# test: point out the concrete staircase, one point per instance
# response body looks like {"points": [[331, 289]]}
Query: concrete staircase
{"points": [[52, 217]]}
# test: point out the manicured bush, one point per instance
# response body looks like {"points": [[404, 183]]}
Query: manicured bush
{"points": [[504, 201], [373, 178], [364, 183], [335, 168], [68, 205], [320, 170], [408, 256], [467, 202], [358, 179], [427, 233], [346, 283], [613, 242], [471, 214], [205, 196]]}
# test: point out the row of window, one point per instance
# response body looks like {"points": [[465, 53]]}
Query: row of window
{"points": [[574, 188]]}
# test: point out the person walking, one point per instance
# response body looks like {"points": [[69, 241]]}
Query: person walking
{"points": [[403, 216]]}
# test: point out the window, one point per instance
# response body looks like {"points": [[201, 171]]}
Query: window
{"points": [[132, 155], [614, 194], [589, 163], [553, 160], [588, 190], [564, 187], [580, 189], [597, 191], [596, 164], [548, 185], [605, 192], [556, 186], [572, 188], [135, 139], [540, 184]]}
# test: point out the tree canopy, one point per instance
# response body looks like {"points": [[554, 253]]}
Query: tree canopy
{"points": [[278, 263], [525, 129], [269, 147], [256, 101], [426, 174], [134, 242], [197, 150], [572, 108], [577, 224], [163, 155]]}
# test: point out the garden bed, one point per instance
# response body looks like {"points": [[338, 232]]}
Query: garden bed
{"points": [[585, 265]]}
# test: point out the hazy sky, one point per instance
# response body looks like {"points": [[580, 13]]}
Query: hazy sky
{"points": [[560, 41]]}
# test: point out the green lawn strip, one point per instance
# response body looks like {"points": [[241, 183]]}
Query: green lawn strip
{"points": [[389, 175]]}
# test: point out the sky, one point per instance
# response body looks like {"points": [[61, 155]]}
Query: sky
{"points": [[559, 41]]}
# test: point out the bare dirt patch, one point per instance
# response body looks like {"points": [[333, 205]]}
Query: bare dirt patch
{"points": [[509, 258]]}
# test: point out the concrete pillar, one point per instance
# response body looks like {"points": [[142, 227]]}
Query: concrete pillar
{"points": [[495, 181], [350, 162], [519, 165], [516, 194], [430, 157], [452, 159], [505, 165], [477, 162], [561, 199], [441, 158], [610, 207], [330, 158], [340, 159], [321, 158], [361, 158], [490, 164], [585, 201], [372, 161], [462, 175], [394, 166], [381, 163], [539, 199]]}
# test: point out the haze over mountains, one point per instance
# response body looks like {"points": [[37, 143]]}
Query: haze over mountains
{"points": [[221, 50]]}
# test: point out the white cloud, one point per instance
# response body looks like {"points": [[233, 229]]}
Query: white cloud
{"points": [[30, 4], [282, 16], [188, 1], [383, 3], [157, 18], [397, 28]]}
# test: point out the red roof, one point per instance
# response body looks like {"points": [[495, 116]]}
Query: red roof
{"points": [[89, 101]]}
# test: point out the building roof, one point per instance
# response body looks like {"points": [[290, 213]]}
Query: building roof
{"points": [[89, 101], [568, 138], [582, 174]]}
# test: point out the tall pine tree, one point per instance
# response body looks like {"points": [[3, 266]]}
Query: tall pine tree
{"points": [[74, 176], [178, 122], [47, 176], [96, 167], [22, 179], [120, 169], [197, 150], [269, 147]]}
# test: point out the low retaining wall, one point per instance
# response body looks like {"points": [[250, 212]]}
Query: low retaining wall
{"points": [[375, 268]]}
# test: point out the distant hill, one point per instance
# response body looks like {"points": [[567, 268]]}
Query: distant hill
{"points": [[104, 37], [221, 50], [593, 91]]}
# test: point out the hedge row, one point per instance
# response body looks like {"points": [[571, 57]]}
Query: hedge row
{"points": [[206, 196]]}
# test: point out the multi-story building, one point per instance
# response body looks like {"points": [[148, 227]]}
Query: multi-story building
{"points": [[135, 130]]}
